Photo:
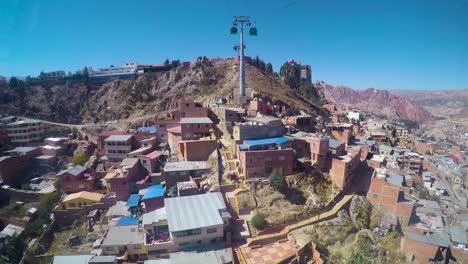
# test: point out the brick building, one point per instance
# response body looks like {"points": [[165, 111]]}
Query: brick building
{"points": [[342, 169], [342, 132], [77, 179], [413, 163], [122, 179], [193, 128], [118, 146], [196, 150], [260, 158]]}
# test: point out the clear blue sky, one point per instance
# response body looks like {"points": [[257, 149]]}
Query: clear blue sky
{"points": [[388, 44]]}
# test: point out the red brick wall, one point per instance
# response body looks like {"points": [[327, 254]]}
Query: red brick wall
{"points": [[423, 252], [12, 168], [154, 203], [198, 150], [194, 128], [259, 163]]}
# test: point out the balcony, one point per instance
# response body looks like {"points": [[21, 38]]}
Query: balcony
{"points": [[159, 240]]}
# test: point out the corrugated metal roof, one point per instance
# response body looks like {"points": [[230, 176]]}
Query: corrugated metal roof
{"points": [[119, 209], [438, 239], [155, 216], [153, 192], [133, 200], [196, 211], [102, 259], [123, 235], [196, 120], [118, 138], [266, 141], [333, 143], [78, 169], [458, 234], [127, 220], [151, 130], [73, 259]]}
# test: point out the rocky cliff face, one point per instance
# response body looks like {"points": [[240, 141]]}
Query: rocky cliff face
{"points": [[443, 103], [375, 101], [151, 93]]}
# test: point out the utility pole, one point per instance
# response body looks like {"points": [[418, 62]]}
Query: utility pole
{"points": [[241, 21]]}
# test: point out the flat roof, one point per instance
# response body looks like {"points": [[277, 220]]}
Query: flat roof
{"points": [[438, 239], [11, 230], [196, 211], [127, 220], [155, 216], [72, 259], [151, 130], [155, 154], [22, 149], [133, 200], [75, 171], [118, 138], [25, 121], [102, 259], [129, 162], [266, 141], [333, 143], [2, 158], [186, 165], [196, 120], [123, 235], [84, 195], [119, 209], [153, 192]]}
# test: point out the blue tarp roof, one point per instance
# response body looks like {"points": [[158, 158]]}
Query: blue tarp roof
{"points": [[266, 141], [133, 200], [153, 192], [151, 130], [127, 220]]}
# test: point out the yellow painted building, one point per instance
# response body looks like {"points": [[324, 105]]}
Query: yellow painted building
{"points": [[80, 199]]}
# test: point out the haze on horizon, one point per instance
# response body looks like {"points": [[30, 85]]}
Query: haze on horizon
{"points": [[389, 44]]}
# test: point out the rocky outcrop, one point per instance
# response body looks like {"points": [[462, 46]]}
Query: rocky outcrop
{"points": [[380, 102], [151, 93]]}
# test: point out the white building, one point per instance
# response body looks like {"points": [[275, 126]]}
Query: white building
{"points": [[125, 70], [354, 116], [185, 222], [25, 131]]}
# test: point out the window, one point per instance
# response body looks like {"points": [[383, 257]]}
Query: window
{"points": [[198, 125], [162, 135], [211, 230], [268, 159], [282, 158], [136, 246], [157, 252], [109, 248], [199, 242], [184, 244], [213, 241], [184, 233]]}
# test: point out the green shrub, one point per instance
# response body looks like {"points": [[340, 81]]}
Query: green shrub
{"points": [[258, 221], [80, 159]]}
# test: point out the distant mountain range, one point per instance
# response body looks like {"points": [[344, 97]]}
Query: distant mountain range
{"points": [[380, 102], [442, 103]]}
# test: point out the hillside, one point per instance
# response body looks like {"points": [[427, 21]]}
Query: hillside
{"points": [[375, 101], [152, 93], [443, 103]]}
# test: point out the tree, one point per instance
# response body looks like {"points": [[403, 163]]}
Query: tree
{"points": [[13, 83], [278, 182], [258, 221], [85, 75], [80, 159], [166, 62], [269, 68], [291, 74]]}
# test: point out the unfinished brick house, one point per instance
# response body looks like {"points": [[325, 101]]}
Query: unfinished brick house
{"points": [[342, 169], [77, 179]]}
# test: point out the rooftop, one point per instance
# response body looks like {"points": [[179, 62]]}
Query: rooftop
{"points": [[196, 120], [72, 259], [151, 130], [133, 200], [266, 141], [154, 155], [127, 220], [23, 122], [11, 230], [129, 162], [186, 185], [184, 213], [333, 143], [153, 192], [75, 171], [123, 235], [118, 138], [186, 166], [84, 195], [119, 209], [22, 149], [458, 234], [155, 216], [385, 148], [438, 239], [102, 259]]}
